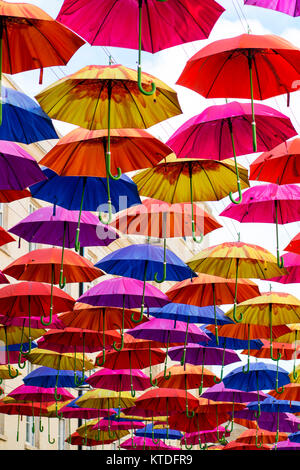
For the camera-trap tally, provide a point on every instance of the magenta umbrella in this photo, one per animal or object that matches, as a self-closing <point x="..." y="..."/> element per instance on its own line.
<point x="145" y="443"/>
<point x="225" y="131"/>
<point x="289" y="7"/>
<point x="292" y="265"/>
<point x="18" y="169"/>
<point x="118" y="424"/>
<point x="268" y="203"/>
<point x="125" y="293"/>
<point x="33" y="322"/>
<point x="144" y="25"/>
<point x="119" y="380"/>
<point x="203" y="437"/>
<point x="59" y="227"/>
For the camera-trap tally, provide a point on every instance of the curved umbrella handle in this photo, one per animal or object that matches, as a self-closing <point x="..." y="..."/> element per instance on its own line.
<point x="62" y="279"/>
<point x="51" y="299"/>
<point x="139" y="82"/>
<point x="188" y="447"/>
<point x="159" y="281"/>
<point x="108" y="160"/>
<point x="239" y="200"/>
<point x="196" y="240"/>
<point x="122" y="333"/>
<point x="153" y="382"/>
<point x="258" y="445"/>
<point x="245" y="371"/>
<point x="166" y="377"/>
<point x="51" y="441"/>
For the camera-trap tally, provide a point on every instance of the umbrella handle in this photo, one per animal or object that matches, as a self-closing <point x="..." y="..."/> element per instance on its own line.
<point x="77" y="242"/>
<point x="188" y="415"/>
<point x="7" y="353"/>
<point x="80" y="382"/>
<point x="18" y="428"/>
<point x="108" y="159"/>
<point x="139" y="69"/>
<point x="166" y="377"/>
<point x="215" y="315"/>
<point x="248" y="360"/>
<point x="51" y="300"/>
<point x="256" y="440"/>
<point x="280" y="261"/>
<point x="122" y="334"/>
<point x="216" y="380"/>
<point x="100" y="364"/>
<point x="153" y="382"/>
<point x="153" y="86"/>
<point x="22" y="366"/>
<point x="237" y="320"/>
<point x="62" y="278"/>
<point x="196" y="240"/>
<point x="143" y="297"/>
<point x="239" y="200"/>
<point x="155" y="441"/>
<point x="254" y="136"/>
<point x="41" y="427"/>
<point x="188" y="447"/>
<point x="51" y="441"/>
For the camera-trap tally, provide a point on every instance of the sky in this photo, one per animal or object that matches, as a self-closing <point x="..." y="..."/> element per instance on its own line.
<point x="168" y="65"/>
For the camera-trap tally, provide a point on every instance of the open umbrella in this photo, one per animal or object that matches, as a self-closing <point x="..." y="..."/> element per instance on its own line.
<point x="84" y="193"/>
<point x="60" y="229"/>
<point x="142" y="25"/>
<point x="267" y="63"/>
<point x="10" y="195"/>
<point x="108" y="97"/>
<point x="223" y="131"/>
<point x="119" y="379"/>
<point x="289" y="7"/>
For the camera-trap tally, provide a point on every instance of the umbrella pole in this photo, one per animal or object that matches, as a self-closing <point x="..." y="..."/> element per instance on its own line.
<point x="51" y="298"/>
<point x="166" y="377"/>
<point x="33" y="424"/>
<point x="221" y="440"/>
<point x="155" y="441"/>
<point x="271" y="336"/>
<point x="29" y="333"/>
<point x="21" y="366"/>
<point x="81" y="381"/>
<point x="197" y="240"/>
<point x="215" y="315"/>
<point x="254" y="137"/>
<point x="8" y="361"/>
<point x="235" y="295"/>
<point x="202" y="372"/>
<point x="143" y="297"/>
<point x="199" y="438"/>
<point x="108" y="159"/>
<point x="185" y="343"/>
<point x="280" y="261"/>
<point x="281" y="390"/>
<point x="57" y="397"/>
<point x="77" y="242"/>
<point x="295" y="374"/>
<point x="216" y="380"/>
<point x="248" y="359"/>
<point x="257" y="415"/>
<point x="41" y="427"/>
<point x="236" y="168"/>
<point x="122" y="333"/>
<point x="188" y="415"/>
<point x="18" y="428"/>
<point x="131" y="384"/>
<point x="139" y="68"/>
<point x="258" y="445"/>
<point x="159" y="281"/>
<point x="62" y="278"/>
<point x="100" y="364"/>
<point x="153" y="382"/>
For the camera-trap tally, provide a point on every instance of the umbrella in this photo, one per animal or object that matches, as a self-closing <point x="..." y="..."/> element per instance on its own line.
<point x="23" y="120"/>
<point x="291" y="391"/>
<point x="169" y="331"/>
<point x="154" y="218"/>
<point x="279" y="165"/>
<point x="119" y="380"/>
<point x="268" y="203"/>
<point x="84" y="193"/>
<point x="236" y="259"/>
<point x="112" y="99"/>
<point x="145" y="443"/>
<point x="211" y="290"/>
<point x="10" y="195"/>
<point x="44" y="265"/>
<point x="81" y="152"/>
<point x="124" y="292"/>
<point x="267" y="63"/>
<point x="233" y="445"/>
<point x="42" y="226"/>
<point x="142" y="25"/>
<point x="252" y="436"/>
<point x="25" y="26"/>
<point x="197" y="354"/>
<point x="291" y="263"/>
<point x="48" y="377"/>
<point x="18" y="168"/>
<point x="224" y="131"/>
<point x="291" y="7"/>
<point x="86" y="430"/>
<point x="155" y="432"/>
<point x="294" y="437"/>
<point x="146" y="263"/>
<point x="260" y="376"/>
<point x="5" y="237"/>
<point x="212" y="435"/>
<point x="286" y="445"/>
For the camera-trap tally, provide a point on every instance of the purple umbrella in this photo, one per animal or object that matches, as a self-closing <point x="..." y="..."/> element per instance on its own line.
<point x="125" y="293"/>
<point x="224" y="131"/>
<point x="169" y="331"/>
<point x="268" y="203"/>
<point x="289" y="7"/>
<point x="59" y="228"/>
<point x="284" y="422"/>
<point x="197" y="354"/>
<point x="18" y="169"/>
<point x="287" y="445"/>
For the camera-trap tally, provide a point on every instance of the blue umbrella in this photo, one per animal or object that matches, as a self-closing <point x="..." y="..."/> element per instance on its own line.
<point x="159" y="433"/>
<point x="294" y="437"/>
<point x="260" y="376"/>
<point x="48" y="377"/>
<point x="192" y="313"/>
<point x="24" y="121"/>
<point x="85" y="193"/>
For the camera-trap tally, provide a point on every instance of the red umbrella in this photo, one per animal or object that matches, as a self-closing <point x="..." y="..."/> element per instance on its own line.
<point x="245" y="66"/>
<point x="10" y="195"/>
<point x="5" y="237"/>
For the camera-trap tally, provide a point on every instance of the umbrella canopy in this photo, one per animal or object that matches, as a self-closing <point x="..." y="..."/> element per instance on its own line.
<point x="119" y="380"/>
<point x="63" y="361"/>
<point x="10" y="195"/>
<point x="266" y="437"/>
<point x="176" y="179"/>
<point x="145" y="443"/>
<point x="291" y="7"/>
<point x="5" y="237"/>
<point x="212" y="435"/>
<point x="105" y="399"/>
<point x="151" y="430"/>
<point x="47" y="377"/>
<point x="219" y="392"/>
<point x="291" y="262"/>
<point x="23" y="120"/>
<point x="81" y="152"/>
<point x="17" y="167"/>
<point x="39" y="394"/>
<point x="197" y="354"/>
<point x="279" y="165"/>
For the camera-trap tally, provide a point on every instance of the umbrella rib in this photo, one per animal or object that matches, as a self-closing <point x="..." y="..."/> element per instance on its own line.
<point x="8" y="48"/>
<point x="257" y="76"/>
<point x="218" y="73"/>
<point x="177" y="181"/>
<point x="210" y="182"/>
<point x="130" y="94"/>
<point x="77" y="83"/>
<point x="193" y="18"/>
<point x="149" y="24"/>
<point x="103" y="21"/>
<point x="101" y="88"/>
<point x="70" y="155"/>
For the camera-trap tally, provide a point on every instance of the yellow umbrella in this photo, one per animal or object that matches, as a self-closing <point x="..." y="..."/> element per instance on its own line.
<point x="60" y="361"/>
<point x="101" y="399"/>
<point x="87" y="432"/>
<point x="108" y="97"/>
<point x="233" y="260"/>
<point x="6" y="372"/>
<point x="268" y="309"/>
<point x="174" y="179"/>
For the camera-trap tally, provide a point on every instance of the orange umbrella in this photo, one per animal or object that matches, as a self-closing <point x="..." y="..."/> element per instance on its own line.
<point x="82" y="152"/>
<point x="234" y="445"/>
<point x="44" y="265"/>
<point x="265" y="437"/>
<point x="291" y="392"/>
<point x="31" y="39"/>
<point x="206" y="289"/>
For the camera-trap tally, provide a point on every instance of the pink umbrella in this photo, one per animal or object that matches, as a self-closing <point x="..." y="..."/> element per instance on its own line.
<point x="118" y="424"/>
<point x="201" y="437"/>
<point x="292" y="265"/>
<point x="289" y="7"/>
<point x="119" y="380"/>
<point x="145" y="443"/>
<point x="120" y="24"/>
<point x="268" y="203"/>
<point x="224" y="131"/>
<point x="39" y="394"/>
